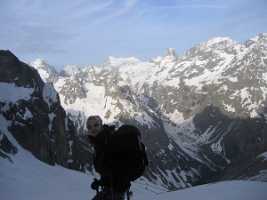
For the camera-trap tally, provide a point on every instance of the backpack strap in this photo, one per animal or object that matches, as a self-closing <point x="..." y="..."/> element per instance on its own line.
<point x="144" y="155"/>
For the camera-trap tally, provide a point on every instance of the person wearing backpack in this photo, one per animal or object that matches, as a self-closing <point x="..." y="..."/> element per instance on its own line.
<point x="119" y="157"/>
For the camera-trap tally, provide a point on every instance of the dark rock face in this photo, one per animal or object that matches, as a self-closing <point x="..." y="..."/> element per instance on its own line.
<point x="38" y="123"/>
<point x="14" y="71"/>
<point x="6" y="148"/>
<point x="253" y="169"/>
<point x="240" y="140"/>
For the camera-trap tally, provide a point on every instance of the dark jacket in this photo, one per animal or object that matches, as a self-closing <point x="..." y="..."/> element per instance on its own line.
<point x="112" y="160"/>
<point x="102" y="160"/>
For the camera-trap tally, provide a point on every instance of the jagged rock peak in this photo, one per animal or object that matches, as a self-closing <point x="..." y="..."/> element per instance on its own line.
<point x="42" y="64"/>
<point x="260" y="36"/>
<point x="7" y="57"/>
<point x="6" y="53"/>
<point x="39" y="63"/>
<point x="218" y="41"/>
<point x="170" y="57"/>
<point x="259" y="39"/>
<point x="47" y="72"/>
<point x="171" y="52"/>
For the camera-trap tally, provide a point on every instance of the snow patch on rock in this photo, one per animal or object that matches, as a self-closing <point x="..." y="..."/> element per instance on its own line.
<point x="50" y="95"/>
<point x="12" y="93"/>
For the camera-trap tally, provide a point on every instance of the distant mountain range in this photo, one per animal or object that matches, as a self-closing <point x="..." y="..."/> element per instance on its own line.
<point x="203" y="114"/>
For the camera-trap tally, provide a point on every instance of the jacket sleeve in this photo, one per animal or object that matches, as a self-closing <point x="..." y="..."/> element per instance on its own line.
<point x="102" y="158"/>
<point x="145" y="155"/>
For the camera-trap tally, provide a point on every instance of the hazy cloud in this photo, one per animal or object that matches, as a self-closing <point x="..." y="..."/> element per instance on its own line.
<point x="117" y="12"/>
<point x="87" y="31"/>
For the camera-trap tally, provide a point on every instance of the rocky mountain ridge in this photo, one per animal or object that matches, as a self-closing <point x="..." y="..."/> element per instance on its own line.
<point x="31" y="113"/>
<point x="200" y="101"/>
<point x="220" y="68"/>
<point x="201" y="113"/>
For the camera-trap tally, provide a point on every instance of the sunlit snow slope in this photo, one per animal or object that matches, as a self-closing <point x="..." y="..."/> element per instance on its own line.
<point x="27" y="178"/>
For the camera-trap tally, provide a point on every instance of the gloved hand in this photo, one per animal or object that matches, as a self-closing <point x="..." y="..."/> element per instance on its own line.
<point x="95" y="184"/>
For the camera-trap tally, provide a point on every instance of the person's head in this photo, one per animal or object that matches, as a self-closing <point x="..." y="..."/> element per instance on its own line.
<point x="94" y="125"/>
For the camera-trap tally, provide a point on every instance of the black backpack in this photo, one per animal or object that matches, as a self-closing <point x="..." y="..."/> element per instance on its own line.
<point x="128" y="152"/>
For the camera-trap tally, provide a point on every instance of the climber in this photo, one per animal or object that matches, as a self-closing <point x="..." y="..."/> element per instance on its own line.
<point x="119" y="157"/>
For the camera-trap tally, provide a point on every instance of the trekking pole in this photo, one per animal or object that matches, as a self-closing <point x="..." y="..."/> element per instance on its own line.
<point x="101" y="193"/>
<point x="111" y="187"/>
<point x="129" y="194"/>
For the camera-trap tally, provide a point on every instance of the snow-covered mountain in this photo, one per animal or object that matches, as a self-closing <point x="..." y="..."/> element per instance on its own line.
<point x="220" y="71"/>
<point x="200" y="112"/>
<point x="30" y="110"/>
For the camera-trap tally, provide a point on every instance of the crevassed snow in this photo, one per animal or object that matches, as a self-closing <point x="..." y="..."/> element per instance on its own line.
<point x="12" y="93"/>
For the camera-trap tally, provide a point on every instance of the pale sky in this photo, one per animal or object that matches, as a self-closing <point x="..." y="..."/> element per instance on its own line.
<point x="88" y="31"/>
